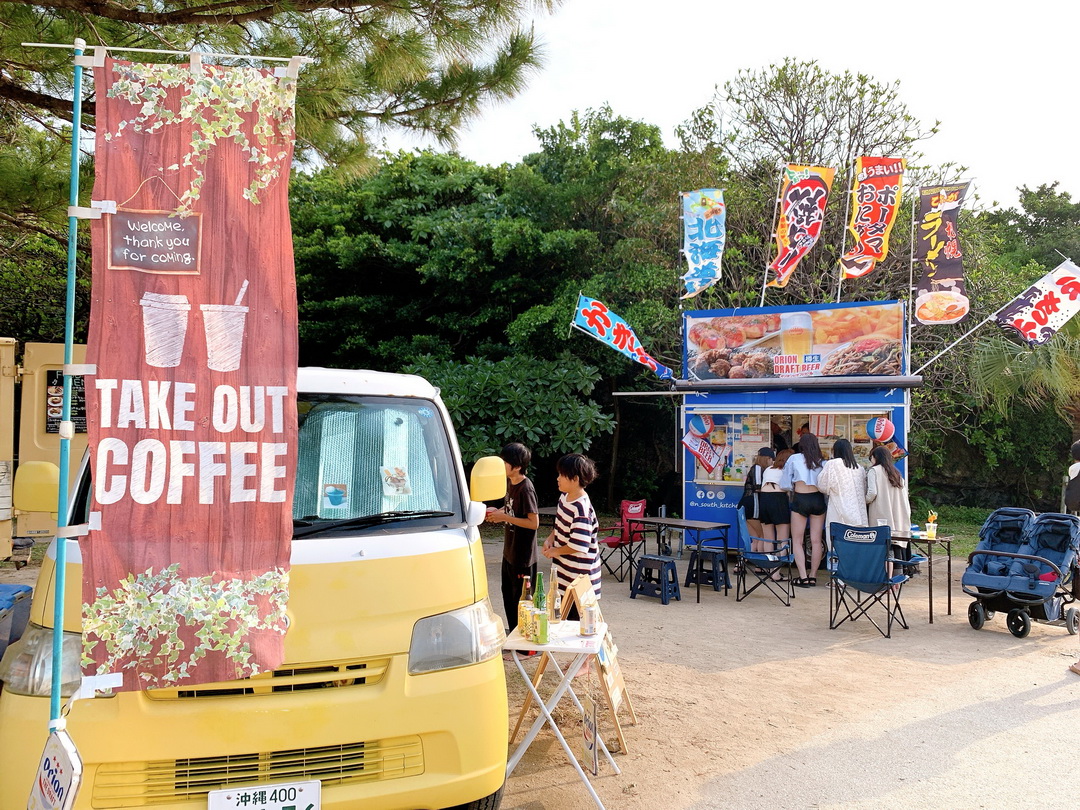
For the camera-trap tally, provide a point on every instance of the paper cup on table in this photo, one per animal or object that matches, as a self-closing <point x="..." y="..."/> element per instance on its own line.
<point x="224" y="325"/>
<point x="165" y="322"/>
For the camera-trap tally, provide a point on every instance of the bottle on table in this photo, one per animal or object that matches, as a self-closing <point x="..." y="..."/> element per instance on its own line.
<point x="524" y="603"/>
<point x="540" y="616"/>
<point x="554" y="602"/>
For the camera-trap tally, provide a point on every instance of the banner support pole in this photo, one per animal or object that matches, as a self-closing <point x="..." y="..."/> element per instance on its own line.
<point x="65" y="418"/>
<point x="776" y="209"/>
<point x="844" y="232"/>
<point x="911" y="274"/>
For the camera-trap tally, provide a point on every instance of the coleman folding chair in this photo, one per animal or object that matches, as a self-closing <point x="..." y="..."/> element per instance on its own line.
<point x="861" y="582"/>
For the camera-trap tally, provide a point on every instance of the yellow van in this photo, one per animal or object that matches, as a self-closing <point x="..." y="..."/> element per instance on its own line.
<point x="392" y="694"/>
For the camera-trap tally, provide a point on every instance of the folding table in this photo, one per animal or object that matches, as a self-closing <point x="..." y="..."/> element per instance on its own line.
<point x="563" y="638"/>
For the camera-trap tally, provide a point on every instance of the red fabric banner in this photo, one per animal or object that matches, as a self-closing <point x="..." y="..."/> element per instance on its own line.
<point x="876" y="196"/>
<point x="804" y="194"/>
<point x="191" y="412"/>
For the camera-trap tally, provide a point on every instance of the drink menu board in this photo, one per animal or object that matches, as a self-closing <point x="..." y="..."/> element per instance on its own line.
<point x="54" y="401"/>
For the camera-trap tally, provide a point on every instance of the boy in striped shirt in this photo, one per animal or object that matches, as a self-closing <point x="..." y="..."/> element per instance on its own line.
<point x="572" y="546"/>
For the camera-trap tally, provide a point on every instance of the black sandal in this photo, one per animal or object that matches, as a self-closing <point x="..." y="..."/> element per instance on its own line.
<point x="801" y="582"/>
<point x="811" y="582"/>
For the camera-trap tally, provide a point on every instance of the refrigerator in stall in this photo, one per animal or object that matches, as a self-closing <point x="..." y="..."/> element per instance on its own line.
<point x="760" y="376"/>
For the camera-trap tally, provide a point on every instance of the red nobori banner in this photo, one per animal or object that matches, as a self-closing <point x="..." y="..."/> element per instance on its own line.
<point x="191" y="411"/>
<point x="804" y="192"/>
<point x="1042" y="309"/>
<point x="940" y="295"/>
<point x="877" y="193"/>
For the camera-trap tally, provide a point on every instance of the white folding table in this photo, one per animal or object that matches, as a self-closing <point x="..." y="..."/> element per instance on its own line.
<point x="563" y="638"/>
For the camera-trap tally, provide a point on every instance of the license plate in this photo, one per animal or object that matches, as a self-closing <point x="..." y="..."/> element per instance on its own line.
<point x="283" y="796"/>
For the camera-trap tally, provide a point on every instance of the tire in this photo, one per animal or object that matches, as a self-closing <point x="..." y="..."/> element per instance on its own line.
<point x="976" y="615"/>
<point x="491" y="802"/>
<point x="1019" y="622"/>
<point x="1072" y="621"/>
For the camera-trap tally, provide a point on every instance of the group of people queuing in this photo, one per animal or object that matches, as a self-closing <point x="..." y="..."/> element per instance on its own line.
<point x="572" y="545"/>
<point x="797" y="489"/>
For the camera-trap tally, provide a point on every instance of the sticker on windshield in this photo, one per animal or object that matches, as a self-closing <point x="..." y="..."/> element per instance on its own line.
<point x="395" y="481"/>
<point x="335" y="496"/>
<point x="425" y="412"/>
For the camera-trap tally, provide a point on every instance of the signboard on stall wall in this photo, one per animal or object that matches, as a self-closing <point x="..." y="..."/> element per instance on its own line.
<point x="819" y="340"/>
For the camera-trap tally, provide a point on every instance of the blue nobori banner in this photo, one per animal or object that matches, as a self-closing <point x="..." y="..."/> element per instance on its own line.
<point x="704" y="234"/>
<point x="596" y="320"/>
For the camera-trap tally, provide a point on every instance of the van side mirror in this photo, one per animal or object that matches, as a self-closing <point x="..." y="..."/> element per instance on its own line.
<point x="487" y="482"/>
<point x="36" y="487"/>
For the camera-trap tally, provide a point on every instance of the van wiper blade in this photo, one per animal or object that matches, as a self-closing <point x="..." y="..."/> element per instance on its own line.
<point x="371" y="520"/>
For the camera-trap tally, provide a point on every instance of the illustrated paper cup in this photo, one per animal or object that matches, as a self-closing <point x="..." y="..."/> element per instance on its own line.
<point x="224" y="325"/>
<point x="165" y="322"/>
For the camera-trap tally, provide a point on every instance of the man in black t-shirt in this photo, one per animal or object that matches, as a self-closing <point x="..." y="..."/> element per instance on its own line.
<point x="520" y="521"/>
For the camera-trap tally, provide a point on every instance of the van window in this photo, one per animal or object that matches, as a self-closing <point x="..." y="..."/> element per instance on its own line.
<point x="360" y="456"/>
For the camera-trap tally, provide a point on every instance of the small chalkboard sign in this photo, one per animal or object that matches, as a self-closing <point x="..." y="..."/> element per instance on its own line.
<point x="154" y="241"/>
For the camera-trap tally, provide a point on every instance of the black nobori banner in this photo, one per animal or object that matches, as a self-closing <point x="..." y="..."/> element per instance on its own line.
<point x="941" y="296"/>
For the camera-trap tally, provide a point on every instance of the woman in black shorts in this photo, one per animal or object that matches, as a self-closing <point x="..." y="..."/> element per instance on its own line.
<point x="807" y="505"/>
<point x="774" y="506"/>
<point x="749" y="501"/>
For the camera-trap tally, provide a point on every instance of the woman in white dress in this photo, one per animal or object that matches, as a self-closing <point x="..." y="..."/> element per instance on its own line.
<point x="844" y="482"/>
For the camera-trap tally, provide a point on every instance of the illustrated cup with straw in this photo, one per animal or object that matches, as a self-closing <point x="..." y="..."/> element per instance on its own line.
<point x="224" y="325"/>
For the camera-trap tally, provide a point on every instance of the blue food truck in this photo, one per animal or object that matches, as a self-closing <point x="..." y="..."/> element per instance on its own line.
<point x="758" y="377"/>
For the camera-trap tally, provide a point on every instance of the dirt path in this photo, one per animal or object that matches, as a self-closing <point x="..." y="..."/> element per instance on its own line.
<point x="748" y="705"/>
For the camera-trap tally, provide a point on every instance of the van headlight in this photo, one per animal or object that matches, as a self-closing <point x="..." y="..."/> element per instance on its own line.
<point x="456" y="639"/>
<point x="27" y="665"/>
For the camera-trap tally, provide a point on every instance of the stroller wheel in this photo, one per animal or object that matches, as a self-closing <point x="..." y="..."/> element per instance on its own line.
<point x="976" y="615"/>
<point x="1019" y="622"/>
<point x="1071" y="621"/>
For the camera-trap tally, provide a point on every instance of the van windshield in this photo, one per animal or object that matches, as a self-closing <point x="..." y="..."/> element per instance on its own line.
<point x="364" y="456"/>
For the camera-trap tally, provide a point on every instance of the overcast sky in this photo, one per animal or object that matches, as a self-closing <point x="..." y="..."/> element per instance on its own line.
<point x="1001" y="78"/>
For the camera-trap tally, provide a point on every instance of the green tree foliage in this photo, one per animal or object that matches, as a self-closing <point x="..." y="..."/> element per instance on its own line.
<point x="544" y="403"/>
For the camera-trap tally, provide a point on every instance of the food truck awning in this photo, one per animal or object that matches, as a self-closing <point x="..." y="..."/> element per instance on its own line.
<point x="797" y="383"/>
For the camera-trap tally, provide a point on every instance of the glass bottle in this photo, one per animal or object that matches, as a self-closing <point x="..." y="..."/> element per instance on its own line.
<point x="554" y="602"/>
<point x="524" y="603"/>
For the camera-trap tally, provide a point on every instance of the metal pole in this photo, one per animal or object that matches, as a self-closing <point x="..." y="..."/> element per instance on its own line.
<point x="843" y="234"/>
<point x="776" y="209"/>
<point x="987" y="319"/>
<point x="911" y="274"/>
<point x="66" y="427"/>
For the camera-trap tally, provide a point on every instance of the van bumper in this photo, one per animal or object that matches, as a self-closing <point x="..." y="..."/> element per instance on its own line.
<point x="425" y="741"/>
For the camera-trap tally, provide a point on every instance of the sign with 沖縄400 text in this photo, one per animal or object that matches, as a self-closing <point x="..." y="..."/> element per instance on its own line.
<point x="191" y="414"/>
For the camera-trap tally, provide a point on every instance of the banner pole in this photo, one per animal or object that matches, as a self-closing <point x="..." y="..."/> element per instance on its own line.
<point x="776" y="210"/>
<point x="66" y="427"/>
<point x="843" y="234"/>
<point x="911" y="273"/>
<point x="987" y="319"/>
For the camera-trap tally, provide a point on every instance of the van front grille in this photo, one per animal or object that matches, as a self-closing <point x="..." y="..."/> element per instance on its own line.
<point x="291" y="679"/>
<point x="145" y="784"/>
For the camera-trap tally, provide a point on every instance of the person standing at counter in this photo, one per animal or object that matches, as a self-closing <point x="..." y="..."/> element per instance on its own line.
<point x="775" y="507"/>
<point x="807" y="505"/>
<point x="887" y="498"/>
<point x="844" y="483"/>
<point x="750" y="502"/>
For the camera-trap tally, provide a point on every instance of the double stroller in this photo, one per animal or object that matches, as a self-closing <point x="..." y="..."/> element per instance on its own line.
<point x="1026" y="565"/>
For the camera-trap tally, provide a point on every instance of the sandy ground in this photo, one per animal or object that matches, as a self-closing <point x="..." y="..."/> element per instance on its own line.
<point x="755" y="705"/>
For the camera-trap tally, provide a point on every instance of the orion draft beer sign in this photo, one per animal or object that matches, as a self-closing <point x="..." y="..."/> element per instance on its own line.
<point x="191" y="412"/>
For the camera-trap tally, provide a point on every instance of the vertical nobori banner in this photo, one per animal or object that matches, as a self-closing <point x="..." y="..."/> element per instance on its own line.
<point x="1042" y="309"/>
<point x="877" y="193"/>
<point x="704" y="233"/>
<point x="191" y="412"/>
<point x="940" y="295"/>
<point x="804" y="193"/>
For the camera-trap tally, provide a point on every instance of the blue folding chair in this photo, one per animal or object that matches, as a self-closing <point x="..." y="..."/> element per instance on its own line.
<point x="861" y="579"/>
<point x="763" y="565"/>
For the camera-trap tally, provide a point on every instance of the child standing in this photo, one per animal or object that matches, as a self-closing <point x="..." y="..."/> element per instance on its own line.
<point x="572" y="545"/>
<point x="520" y="522"/>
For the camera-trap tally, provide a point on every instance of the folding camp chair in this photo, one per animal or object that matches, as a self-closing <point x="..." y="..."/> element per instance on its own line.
<point x="617" y="551"/>
<point x="861" y="581"/>
<point x="762" y="565"/>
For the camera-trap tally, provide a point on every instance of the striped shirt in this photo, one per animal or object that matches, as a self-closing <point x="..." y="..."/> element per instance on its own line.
<point x="576" y="526"/>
